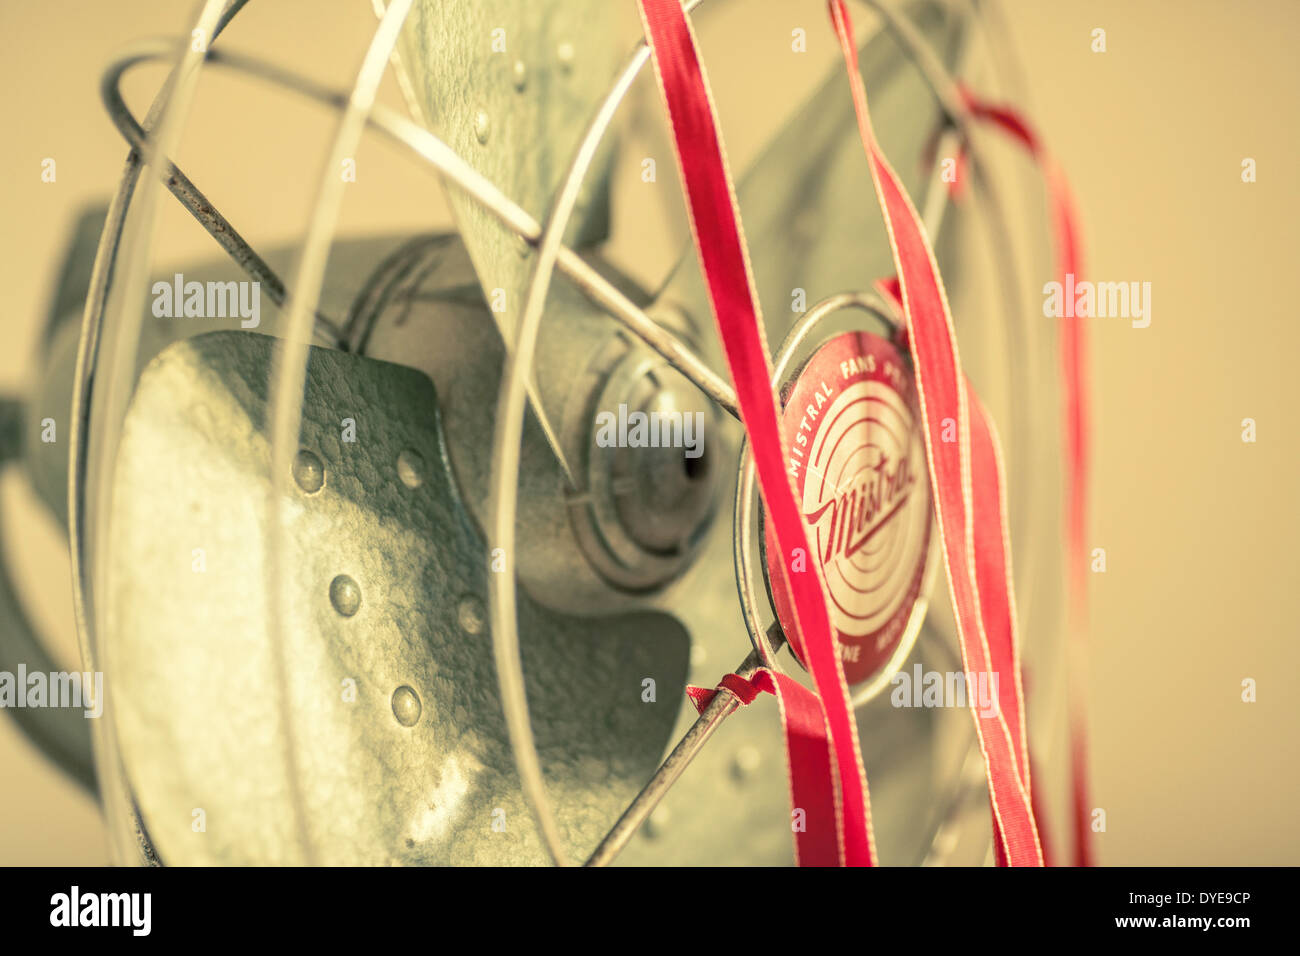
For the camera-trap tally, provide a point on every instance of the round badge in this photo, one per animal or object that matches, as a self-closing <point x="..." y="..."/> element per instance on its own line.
<point x="851" y="434"/>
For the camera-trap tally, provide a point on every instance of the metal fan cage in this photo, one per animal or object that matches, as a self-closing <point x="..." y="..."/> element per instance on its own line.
<point x="112" y="319"/>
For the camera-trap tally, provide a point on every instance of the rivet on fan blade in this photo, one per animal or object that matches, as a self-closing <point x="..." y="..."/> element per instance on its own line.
<point x="519" y="75"/>
<point x="406" y="706"/>
<point x="345" y="595"/>
<point x="410" y="467"/>
<point x="308" y="472"/>
<point x="565" y="53"/>
<point x="470" y="615"/>
<point x="482" y="126"/>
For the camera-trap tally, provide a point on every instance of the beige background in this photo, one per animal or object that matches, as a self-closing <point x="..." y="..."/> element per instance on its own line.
<point x="1199" y="528"/>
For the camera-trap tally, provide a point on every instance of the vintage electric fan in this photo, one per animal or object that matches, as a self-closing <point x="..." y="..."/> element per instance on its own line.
<point x="365" y="585"/>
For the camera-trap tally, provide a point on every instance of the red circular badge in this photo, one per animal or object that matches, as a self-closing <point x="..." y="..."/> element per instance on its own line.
<point x="851" y="434"/>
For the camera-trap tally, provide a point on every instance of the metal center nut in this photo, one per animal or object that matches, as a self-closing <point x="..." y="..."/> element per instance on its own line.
<point x="662" y="466"/>
<point x="651" y="473"/>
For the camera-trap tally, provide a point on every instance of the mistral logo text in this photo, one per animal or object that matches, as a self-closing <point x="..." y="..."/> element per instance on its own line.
<point x="75" y="908"/>
<point x="208" y="300"/>
<point x="640" y="429"/>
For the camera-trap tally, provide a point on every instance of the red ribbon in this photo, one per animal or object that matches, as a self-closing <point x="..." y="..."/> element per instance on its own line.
<point x="1075" y="414"/>
<point x="963" y="473"/>
<point x="827" y="778"/>
<point x="743" y="690"/>
<point x="719" y="242"/>
<point x="812" y="798"/>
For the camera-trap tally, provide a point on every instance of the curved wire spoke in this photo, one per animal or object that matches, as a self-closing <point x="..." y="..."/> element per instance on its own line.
<point x="289" y="365"/>
<point x="434" y="151"/>
<point x="88" y="436"/>
<point x="191" y="197"/>
<point x="503" y="498"/>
